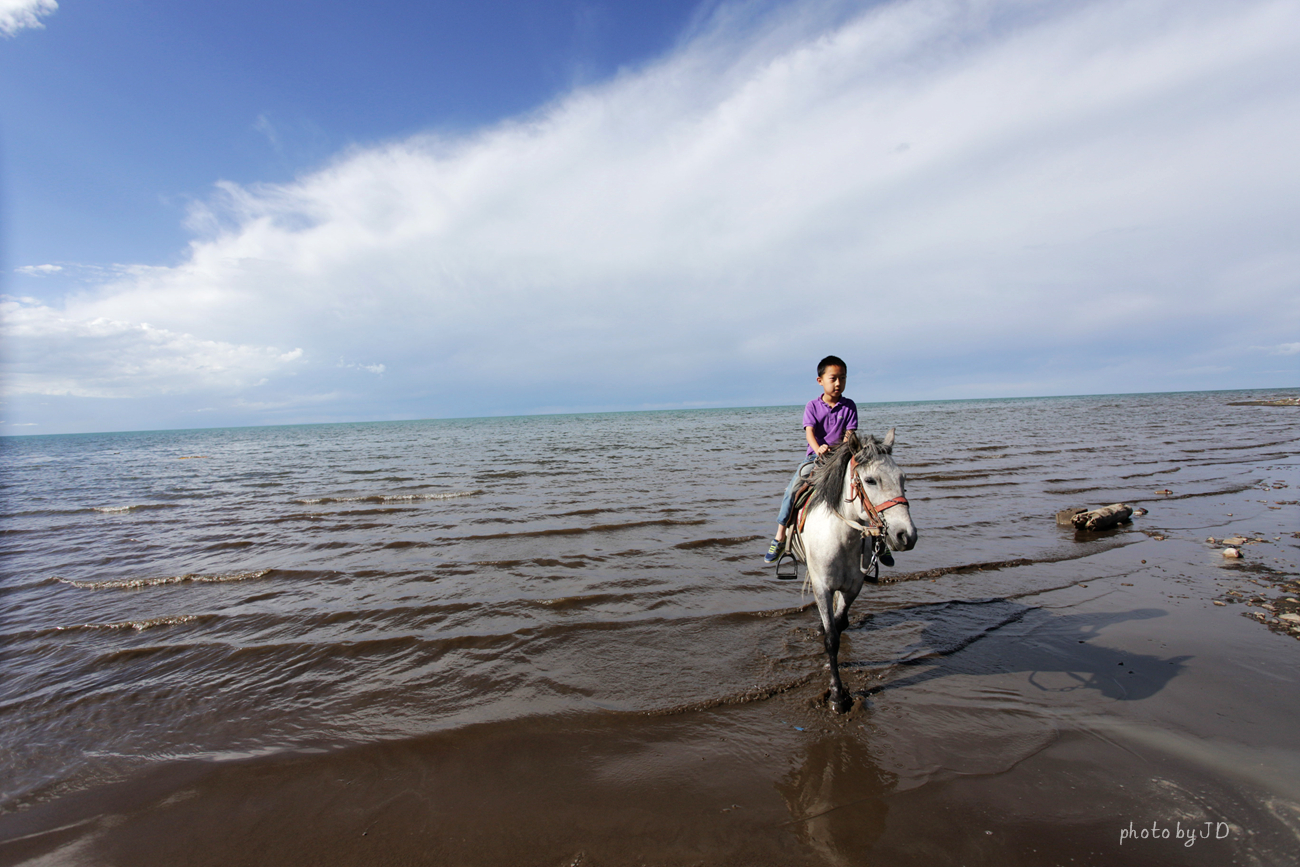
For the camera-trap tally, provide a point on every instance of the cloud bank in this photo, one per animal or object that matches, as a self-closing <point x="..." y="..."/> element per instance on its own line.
<point x="962" y="198"/>
<point x="18" y="15"/>
<point x="104" y="357"/>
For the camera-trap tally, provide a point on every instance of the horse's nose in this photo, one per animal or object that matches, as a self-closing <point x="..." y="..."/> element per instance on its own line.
<point x="904" y="539"/>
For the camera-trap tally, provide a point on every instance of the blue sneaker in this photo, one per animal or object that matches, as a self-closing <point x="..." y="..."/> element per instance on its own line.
<point x="774" y="551"/>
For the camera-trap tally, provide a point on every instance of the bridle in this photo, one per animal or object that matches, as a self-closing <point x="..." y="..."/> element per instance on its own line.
<point x="875" y="520"/>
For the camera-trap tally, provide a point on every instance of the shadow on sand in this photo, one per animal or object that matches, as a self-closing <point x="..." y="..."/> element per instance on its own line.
<point x="999" y="636"/>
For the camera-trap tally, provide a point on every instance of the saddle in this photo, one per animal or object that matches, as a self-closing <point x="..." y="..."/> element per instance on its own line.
<point x="794" y="549"/>
<point x="801" y="497"/>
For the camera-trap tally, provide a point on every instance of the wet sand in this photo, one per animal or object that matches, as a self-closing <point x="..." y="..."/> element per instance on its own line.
<point x="1001" y="717"/>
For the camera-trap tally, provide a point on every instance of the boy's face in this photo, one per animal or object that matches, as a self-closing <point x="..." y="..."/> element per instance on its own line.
<point x="832" y="382"/>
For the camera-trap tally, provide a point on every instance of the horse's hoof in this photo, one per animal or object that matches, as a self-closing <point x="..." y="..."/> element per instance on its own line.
<point x="841" y="703"/>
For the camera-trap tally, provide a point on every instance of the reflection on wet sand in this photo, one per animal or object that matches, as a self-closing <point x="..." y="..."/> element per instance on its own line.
<point x="836" y="797"/>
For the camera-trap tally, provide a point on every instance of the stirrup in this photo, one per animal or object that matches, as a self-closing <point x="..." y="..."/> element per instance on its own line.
<point x="787" y="576"/>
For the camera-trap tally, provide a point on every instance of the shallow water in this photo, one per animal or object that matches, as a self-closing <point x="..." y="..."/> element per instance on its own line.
<point x="369" y="643"/>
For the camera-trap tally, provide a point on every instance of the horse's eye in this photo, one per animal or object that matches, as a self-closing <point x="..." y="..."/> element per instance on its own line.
<point x="871" y="481"/>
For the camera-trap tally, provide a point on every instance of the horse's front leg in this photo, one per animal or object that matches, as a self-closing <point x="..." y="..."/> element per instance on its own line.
<point x="828" y="602"/>
<point x="844" y="598"/>
<point x="841" y="612"/>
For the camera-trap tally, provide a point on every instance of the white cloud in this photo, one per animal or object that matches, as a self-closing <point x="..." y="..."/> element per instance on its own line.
<point x="369" y="368"/>
<point x="104" y="357"/>
<point x="38" y="270"/>
<point x="265" y="127"/>
<point x="1286" y="349"/>
<point x="18" y="15"/>
<point x="934" y="186"/>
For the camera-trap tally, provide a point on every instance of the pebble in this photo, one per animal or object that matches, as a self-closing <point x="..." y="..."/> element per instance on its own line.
<point x="1292" y="618"/>
<point x="1231" y="553"/>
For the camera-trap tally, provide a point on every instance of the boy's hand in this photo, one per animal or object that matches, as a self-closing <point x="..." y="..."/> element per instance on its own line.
<point x="822" y="449"/>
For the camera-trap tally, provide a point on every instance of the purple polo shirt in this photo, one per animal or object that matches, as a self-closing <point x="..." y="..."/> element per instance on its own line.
<point x="830" y="422"/>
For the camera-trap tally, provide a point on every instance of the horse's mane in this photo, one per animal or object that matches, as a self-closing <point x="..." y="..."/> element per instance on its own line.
<point x="828" y="478"/>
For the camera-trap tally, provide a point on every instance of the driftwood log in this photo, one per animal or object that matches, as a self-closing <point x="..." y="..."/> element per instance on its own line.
<point x="1100" y="519"/>
<point x="1065" y="517"/>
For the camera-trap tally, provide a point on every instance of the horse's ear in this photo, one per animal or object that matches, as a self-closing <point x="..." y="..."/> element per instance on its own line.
<point x="889" y="442"/>
<point x="854" y="444"/>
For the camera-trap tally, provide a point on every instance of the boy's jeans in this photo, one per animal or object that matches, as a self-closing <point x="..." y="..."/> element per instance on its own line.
<point x="787" y="503"/>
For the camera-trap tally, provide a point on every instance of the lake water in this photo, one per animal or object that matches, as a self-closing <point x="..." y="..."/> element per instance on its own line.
<point x="552" y="640"/>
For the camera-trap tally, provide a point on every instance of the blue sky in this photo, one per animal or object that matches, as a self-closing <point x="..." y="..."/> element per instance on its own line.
<point x="234" y="213"/>
<point x="117" y="114"/>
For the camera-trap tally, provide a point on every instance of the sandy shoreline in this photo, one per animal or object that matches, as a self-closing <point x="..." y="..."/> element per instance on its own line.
<point x="1280" y="401"/>
<point x="1096" y="695"/>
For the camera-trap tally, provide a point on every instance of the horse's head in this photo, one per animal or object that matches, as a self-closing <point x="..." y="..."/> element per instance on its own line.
<point x="883" y="483"/>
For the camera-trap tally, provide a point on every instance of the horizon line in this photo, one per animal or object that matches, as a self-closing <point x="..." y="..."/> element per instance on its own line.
<point x="546" y="413"/>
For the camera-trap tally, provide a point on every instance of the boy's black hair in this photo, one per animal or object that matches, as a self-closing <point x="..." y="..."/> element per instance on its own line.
<point x="827" y="362"/>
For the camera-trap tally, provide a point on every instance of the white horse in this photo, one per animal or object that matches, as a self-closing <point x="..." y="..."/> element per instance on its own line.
<point x="857" y="505"/>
